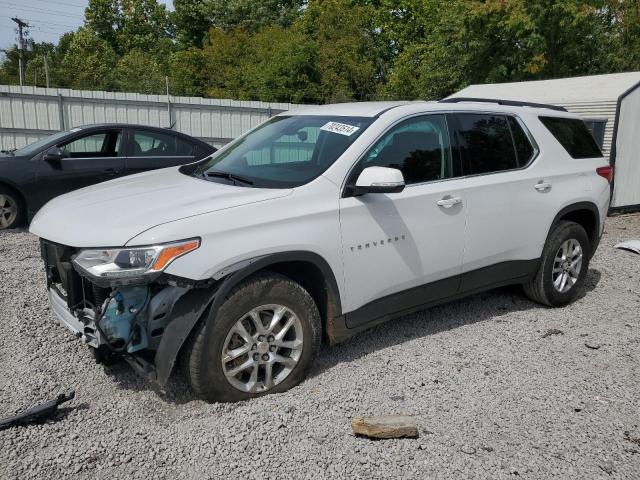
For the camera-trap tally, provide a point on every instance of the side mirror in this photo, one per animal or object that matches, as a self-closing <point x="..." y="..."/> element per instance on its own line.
<point x="379" y="180"/>
<point x="54" y="154"/>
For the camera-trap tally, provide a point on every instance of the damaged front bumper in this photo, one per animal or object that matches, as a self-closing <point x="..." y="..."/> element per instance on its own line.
<point x="145" y="324"/>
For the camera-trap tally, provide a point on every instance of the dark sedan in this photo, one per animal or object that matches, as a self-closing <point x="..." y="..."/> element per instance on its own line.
<point x="82" y="156"/>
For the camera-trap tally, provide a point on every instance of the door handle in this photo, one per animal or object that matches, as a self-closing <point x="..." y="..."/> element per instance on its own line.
<point x="448" y="202"/>
<point x="542" y="186"/>
<point x="110" y="171"/>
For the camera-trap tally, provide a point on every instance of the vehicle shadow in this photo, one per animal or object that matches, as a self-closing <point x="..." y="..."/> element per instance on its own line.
<point x="492" y="305"/>
<point x="487" y="306"/>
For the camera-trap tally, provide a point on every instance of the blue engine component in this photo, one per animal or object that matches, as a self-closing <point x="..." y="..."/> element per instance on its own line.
<point x="122" y="320"/>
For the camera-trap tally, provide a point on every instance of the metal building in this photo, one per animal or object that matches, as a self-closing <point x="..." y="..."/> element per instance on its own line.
<point x="609" y="104"/>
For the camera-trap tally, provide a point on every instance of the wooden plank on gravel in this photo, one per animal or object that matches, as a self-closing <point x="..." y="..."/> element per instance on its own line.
<point x="385" y="426"/>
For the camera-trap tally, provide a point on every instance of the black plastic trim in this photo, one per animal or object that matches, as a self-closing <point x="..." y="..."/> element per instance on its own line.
<point x="185" y="314"/>
<point x="434" y="293"/>
<point x="595" y="237"/>
<point x="509" y="103"/>
<point x="283" y="257"/>
<point x="625" y="209"/>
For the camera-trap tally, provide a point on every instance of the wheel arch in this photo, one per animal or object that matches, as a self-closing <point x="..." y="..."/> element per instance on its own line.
<point x="21" y="197"/>
<point x="585" y="214"/>
<point x="308" y="269"/>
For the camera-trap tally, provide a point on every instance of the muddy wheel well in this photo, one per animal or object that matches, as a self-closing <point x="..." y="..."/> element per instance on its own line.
<point x="313" y="281"/>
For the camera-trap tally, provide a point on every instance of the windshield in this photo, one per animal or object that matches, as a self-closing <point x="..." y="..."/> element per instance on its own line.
<point x="35" y="147"/>
<point x="284" y="152"/>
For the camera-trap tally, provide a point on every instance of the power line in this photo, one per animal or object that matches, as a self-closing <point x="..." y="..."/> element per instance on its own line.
<point x="48" y="2"/>
<point x="39" y="10"/>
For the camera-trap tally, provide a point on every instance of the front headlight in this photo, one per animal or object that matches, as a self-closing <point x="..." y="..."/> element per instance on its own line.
<point x="131" y="263"/>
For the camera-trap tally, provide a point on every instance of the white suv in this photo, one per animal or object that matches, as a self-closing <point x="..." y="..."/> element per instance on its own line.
<point x="318" y="224"/>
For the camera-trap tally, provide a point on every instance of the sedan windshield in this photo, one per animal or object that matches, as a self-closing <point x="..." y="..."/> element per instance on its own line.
<point x="36" y="146"/>
<point x="285" y="152"/>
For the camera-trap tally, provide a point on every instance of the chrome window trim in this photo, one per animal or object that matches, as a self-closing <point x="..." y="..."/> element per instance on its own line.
<point x="163" y="156"/>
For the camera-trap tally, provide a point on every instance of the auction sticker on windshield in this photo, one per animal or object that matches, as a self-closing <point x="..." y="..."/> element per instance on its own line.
<point x="341" y="128"/>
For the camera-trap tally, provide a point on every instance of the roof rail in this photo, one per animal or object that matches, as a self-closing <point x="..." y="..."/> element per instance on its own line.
<point x="511" y="103"/>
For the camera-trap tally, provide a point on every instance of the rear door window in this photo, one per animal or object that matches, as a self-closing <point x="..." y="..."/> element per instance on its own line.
<point x="573" y="135"/>
<point x="156" y="144"/>
<point x="525" y="151"/>
<point x="485" y="143"/>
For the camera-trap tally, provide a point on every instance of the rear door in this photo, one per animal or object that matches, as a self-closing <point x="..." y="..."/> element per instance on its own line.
<point x="508" y="201"/>
<point x="152" y="149"/>
<point x="92" y="157"/>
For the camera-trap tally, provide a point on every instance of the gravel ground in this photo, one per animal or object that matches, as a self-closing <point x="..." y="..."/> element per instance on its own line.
<point x="493" y="395"/>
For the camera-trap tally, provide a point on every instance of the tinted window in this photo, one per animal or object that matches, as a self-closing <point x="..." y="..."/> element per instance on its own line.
<point x="485" y="143"/>
<point x="157" y="144"/>
<point x="419" y="147"/>
<point x="597" y="127"/>
<point x="524" y="149"/>
<point x="573" y="135"/>
<point x="96" y="144"/>
<point x="285" y="151"/>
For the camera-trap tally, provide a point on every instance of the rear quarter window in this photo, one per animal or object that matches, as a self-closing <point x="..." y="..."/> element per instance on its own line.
<point x="573" y="135"/>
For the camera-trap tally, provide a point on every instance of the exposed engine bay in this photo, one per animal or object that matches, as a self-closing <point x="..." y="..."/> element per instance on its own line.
<point x="125" y="318"/>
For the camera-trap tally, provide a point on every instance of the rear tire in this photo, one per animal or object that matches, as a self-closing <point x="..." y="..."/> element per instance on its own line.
<point x="563" y="267"/>
<point x="12" y="209"/>
<point x="268" y="328"/>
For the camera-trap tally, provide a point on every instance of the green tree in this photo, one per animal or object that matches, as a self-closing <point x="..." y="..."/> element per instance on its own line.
<point x="138" y="71"/>
<point x="446" y="45"/>
<point x="89" y="61"/>
<point x="191" y="22"/>
<point x="225" y="55"/>
<point x="625" y="54"/>
<point x="189" y="72"/>
<point x="129" y="24"/>
<point x="352" y="54"/>
<point x="282" y="67"/>
<point x="250" y="15"/>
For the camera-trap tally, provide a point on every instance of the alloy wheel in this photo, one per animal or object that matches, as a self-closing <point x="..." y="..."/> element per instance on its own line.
<point x="567" y="265"/>
<point x="262" y="348"/>
<point x="8" y="211"/>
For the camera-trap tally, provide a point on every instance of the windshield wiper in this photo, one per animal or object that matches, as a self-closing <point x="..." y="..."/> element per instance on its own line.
<point x="229" y="176"/>
<point x="10" y="152"/>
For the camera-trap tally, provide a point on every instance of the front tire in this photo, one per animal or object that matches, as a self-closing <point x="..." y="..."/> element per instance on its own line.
<point x="12" y="211"/>
<point x="263" y="339"/>
<point x="563" y="268"/>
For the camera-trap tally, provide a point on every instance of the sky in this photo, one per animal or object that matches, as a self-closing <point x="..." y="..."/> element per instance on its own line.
<point x="48" y="19"/>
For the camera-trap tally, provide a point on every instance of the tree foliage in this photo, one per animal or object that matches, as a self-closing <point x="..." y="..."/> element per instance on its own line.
<point x="320" y="51"/>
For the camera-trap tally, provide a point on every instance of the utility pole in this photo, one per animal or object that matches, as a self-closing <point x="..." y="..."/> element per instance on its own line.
<point x="21" y="46"/>
<point x="46" y="68"/>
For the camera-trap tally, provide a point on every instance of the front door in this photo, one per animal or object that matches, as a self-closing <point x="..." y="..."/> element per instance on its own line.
<point x="88" y="159"/>
<point x="405" y="246"/>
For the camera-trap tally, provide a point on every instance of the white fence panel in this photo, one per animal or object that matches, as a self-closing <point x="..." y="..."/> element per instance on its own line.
<point x="30" y="113"/>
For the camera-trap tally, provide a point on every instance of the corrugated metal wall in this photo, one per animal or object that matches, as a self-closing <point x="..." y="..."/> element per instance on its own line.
<point x="29" y="113"/>
<point x="601" y="110"/>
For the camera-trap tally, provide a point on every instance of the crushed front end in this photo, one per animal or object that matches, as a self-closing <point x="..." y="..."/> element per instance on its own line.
<point x="145" y="318"/>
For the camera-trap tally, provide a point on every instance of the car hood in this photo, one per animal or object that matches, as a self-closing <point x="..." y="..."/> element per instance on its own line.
<point x="111" y="213"/>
